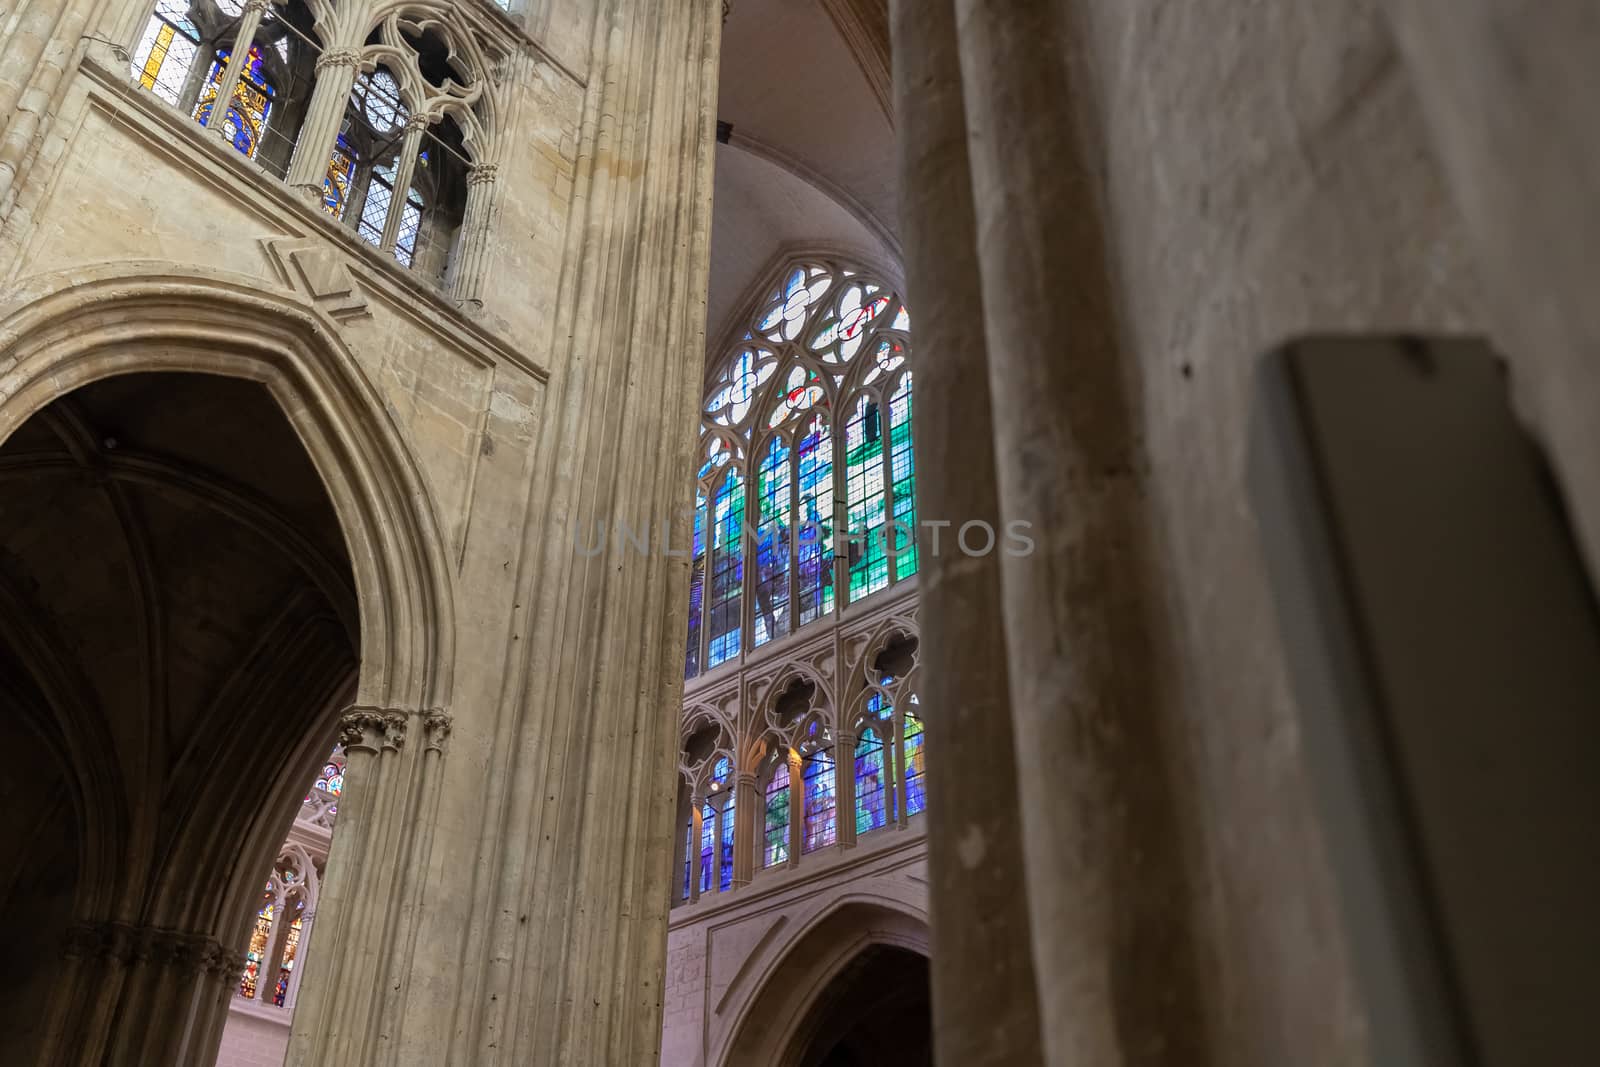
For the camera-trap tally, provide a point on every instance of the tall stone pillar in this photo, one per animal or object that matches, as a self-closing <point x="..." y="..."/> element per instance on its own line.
<point x="1511" y="90"/>
<point x="1111" y="911"/>
<point x="336" y="77"/>
<point x="985" y="1002"/>
<point x="747" y="814"/>
<point x="45" y="45"/>
<point x="370" y="895"/>
<point x="844" y="790"/>
<point x="797" y="808"/>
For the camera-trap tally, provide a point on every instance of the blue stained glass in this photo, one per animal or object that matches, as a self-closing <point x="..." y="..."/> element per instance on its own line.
<point x="772" y="544"/>
<point x="251" y="106"/>
<point x="819" y="802"/>
<point x="916" y="799"/>
<point x="727" y="571"/>
<point x="903" y="474"/>
<point x="725" y="875"/>
<point x="697" y="589"/>
<point x="814" y="522"/>
<point x="341" y="173"/>
<point x="708" y="845"/>
<point x="871" y="813"/>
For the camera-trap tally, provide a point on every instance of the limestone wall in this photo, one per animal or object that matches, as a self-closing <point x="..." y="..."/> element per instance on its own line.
<point x="533" y="403"/>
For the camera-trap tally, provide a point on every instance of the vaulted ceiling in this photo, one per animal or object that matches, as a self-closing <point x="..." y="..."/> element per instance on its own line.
<point x="809" y="154"/>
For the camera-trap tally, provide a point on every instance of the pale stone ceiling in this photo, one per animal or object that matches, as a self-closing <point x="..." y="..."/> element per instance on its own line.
<point x="811" y="156"/>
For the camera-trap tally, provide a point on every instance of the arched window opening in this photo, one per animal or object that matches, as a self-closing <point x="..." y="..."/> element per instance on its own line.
<point x="276" y="939"/>
<point x="727" y="571"/>
<point x="818" y="393"/>
<point x="871" y="806"/>
<point x="775" y="831"/>
<point x="404" y="164"/>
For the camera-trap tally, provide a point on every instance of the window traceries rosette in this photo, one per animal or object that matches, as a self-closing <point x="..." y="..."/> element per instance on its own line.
<point x="811" y="413"/>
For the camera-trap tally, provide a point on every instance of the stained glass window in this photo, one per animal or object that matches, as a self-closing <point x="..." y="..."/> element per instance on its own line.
<point x="819" y="801"/>
<point x="291" y="949"/>
<point x="341" y="173"/>
<point x="167" y="50"/>
<point x="688" y="855"/>
<point x="256" y="952"/>
<point x="727" y="571"/>
<point x="773" y="492"/>
<point x="916" y="799"/>
<point x="697" y="588"/>
<point x="903" y="474"/>
<point x="818" y="391"/>
<point x="725" y="865"/>
<point x="814" y="523"/>
<point x="776" y="831"/>
<point x="708" y="845"/>
<point x="871" y="813"/>
<point x="869" y="566"/>
<point x="251" y="107"/>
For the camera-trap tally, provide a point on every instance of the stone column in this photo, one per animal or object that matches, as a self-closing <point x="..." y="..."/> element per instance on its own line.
<point x="1511" y="91"/>
<point x="472" y="248"/>
<point x="844" y="789"/>
<point x="336" y="77"/>
<point x="370" y="895"/>
<point x="134" y="995"/>
<point x="244" y="38"/>
<point x="797" y="807"/>
<point x="986" y="1010"/>
<point x="404" y="170"/>
<point x="1111" y="912"/>
<point x="697" y="823"/>
<point x="748" y="810"/>
<point x="44" y="46"/>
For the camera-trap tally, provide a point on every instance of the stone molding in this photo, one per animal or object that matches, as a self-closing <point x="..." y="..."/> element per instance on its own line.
<point x="127" y="944"/>
<point x="371" y="729"/>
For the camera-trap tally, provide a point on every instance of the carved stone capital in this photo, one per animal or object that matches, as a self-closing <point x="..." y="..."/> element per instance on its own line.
<point x="436" y="727"/>
<point x="394" y="730"/>
<point x="257" y="7"/>
<point x="419" y="122"/>
<point x="362" y="730"/>
<point x="747" y="779"/>
<point x="225" y="965"/>
<point x="339" y="57"/>
<point x="483" y="173"/>
<point x="117" y="942"/>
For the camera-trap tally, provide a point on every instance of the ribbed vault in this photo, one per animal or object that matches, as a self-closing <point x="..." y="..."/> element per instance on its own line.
<point x="178" y="622"/>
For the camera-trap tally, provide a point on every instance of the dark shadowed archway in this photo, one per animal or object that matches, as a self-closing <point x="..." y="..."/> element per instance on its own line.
<point x="854" y="982"/>
<point x="178" y="634"/>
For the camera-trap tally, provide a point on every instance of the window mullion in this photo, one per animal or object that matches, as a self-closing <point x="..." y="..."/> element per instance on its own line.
<point x="404" y="172"/>
<point x="244" y="37"/>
